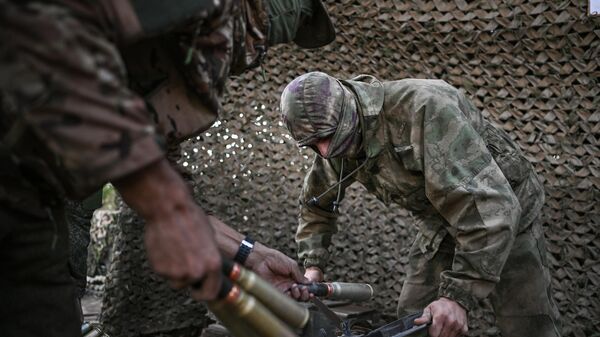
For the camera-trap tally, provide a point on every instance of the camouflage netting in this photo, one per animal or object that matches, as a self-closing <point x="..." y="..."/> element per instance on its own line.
<point x="531" y="66"/>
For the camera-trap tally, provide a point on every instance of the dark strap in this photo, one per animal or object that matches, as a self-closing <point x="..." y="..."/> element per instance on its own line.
<point x="244" y="251"/>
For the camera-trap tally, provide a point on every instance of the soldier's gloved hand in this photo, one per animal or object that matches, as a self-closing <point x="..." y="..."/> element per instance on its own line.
<point x="448" y="318"/>
<point x="179" y="239"/>
<point x="278" y="269"/>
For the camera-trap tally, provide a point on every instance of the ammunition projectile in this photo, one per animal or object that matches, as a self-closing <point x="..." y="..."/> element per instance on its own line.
<point x="85" y="328"/>
<point x="95" y="332"/>
<point x="281" y="305"/>
<point x="236" y="327"/>
<point x="241" y="305"/>
<point x="355" y="292"/>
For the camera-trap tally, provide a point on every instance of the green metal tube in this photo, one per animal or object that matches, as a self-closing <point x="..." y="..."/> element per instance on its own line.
<point x="258" y="317"/>
<point x="278" y="303"/>
<point x="236" y="326"/>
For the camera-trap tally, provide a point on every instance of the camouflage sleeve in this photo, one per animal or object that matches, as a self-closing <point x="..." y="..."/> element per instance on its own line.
<point x="318" y="223"/>
<point x="71" y="93"/>
<point x="468" y="188"/>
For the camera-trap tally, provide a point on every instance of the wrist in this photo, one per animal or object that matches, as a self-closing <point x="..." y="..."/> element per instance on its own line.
<point x="244" y="251"/>
<point x="258" y="254"/>
<point x="458" y="295"/>
<point x="156" y="192"/>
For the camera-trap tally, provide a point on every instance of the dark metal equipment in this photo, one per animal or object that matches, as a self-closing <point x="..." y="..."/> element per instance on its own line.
<point x="248" y="306"/>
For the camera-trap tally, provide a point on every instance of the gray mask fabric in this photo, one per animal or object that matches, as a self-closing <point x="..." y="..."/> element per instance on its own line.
<point x="316" y="106"/>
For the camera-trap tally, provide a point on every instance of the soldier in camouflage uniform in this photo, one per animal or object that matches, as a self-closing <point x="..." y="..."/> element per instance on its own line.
<point x="422" y="145"/>
<point x="69" y="123"/>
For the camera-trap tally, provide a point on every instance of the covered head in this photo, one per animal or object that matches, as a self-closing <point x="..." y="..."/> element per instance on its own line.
<point x="316" y="106"/>
<point x="305" y="22"/>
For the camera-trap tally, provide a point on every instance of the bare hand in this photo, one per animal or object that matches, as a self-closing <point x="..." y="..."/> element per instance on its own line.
<point x="182" y="249"/>
<point x="279" y="270"/>
<point x="314" y="274"/>
<point x="448" y="318"/>
<point x="179" y="238"/>
<point x="299" y="291"/>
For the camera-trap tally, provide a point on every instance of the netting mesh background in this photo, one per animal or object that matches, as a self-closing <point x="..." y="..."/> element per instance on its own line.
<point x="532" y="67"/>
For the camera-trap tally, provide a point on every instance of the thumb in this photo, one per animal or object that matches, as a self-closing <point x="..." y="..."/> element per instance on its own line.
<point x="425" y="317"/>
<point x="297" y="275"/>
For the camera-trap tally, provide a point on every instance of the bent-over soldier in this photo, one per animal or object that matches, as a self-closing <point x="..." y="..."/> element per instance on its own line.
<point x="422" y="145"/>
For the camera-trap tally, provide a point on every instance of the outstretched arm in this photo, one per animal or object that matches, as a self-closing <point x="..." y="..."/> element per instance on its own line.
<point x="179" y="239"/>
<point x="272" y="265"/>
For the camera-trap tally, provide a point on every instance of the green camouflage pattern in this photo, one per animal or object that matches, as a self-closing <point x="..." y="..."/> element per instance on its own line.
<point x="522" y="301"/>
<point x="430" y="151"/>
<point x="305" y="96"/>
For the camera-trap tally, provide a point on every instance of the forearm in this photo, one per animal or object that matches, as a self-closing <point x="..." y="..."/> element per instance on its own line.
<point x="484" y="232"/>
<point x="228" y="240"/>
<point x="155" y="191"/>
<point x="158" y="190"/>
<point x="313" y="237"/>
<point x="178" y="237"/>
<point x="317" y="222"/>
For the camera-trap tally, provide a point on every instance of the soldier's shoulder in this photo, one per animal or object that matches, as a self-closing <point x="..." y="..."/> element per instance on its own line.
<point x="413" y="93"/>
<point x="418" y="85"/>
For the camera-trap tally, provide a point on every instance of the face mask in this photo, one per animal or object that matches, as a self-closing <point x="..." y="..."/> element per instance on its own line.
<point x="347" y="137"/>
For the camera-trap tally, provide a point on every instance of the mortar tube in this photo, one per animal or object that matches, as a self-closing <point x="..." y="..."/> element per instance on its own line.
<point x="278" y="303"/>
<point x="255" y="314"/>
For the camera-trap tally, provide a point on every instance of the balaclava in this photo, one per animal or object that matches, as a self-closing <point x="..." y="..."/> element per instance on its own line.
<point x="315" y="106"/>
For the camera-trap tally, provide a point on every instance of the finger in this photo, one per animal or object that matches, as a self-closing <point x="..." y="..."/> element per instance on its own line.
<point x="178" y="284"/>
<point x="305" y="294"/>
<point x="425" y="317"/>
<point x="459" y="328"/>
<point x="296" y="292"/>
<point x="437" y="325"/>
<point x="282" y="286"/>
<point x="300" y="278"/>
<point x="210" y="288"/>
<point x="297" y="274"/>
<point x="197" y="285"/>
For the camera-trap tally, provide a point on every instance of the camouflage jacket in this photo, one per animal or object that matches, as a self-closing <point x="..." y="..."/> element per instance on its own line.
<point x="430" y="151"/>
<point x="70" y="120"/>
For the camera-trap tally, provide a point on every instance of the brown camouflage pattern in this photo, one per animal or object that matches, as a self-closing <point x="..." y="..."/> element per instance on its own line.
<point x="67" y="107"/>
<point x="431" y="152"/>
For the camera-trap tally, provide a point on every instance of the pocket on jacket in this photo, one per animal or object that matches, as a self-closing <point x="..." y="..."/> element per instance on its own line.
<point x="507" y="155"/>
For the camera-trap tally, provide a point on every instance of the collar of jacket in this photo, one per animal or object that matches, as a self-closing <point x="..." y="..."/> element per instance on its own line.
<point x="369" y="93"/>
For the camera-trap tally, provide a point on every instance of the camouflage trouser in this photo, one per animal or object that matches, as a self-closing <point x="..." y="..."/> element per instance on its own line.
<point x="37" y="296"/>
<point x="522" y="300"/>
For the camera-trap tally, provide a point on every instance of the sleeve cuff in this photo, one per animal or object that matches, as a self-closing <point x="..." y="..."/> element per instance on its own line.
<point x="315" y="262"/>
<point x="458" y="295"/>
